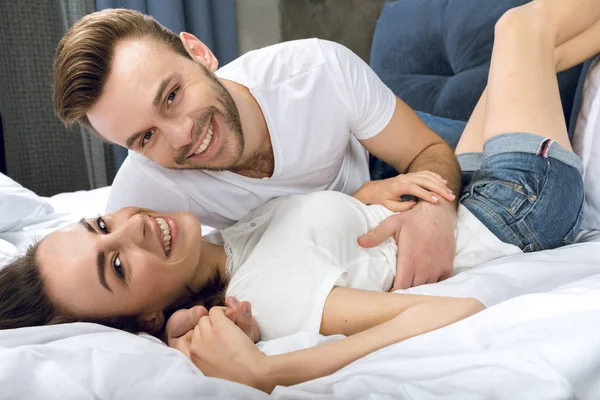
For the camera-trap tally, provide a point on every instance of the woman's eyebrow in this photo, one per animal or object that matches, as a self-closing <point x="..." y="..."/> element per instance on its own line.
<point x="100" y="257"/>
<point x="87" y="225"/>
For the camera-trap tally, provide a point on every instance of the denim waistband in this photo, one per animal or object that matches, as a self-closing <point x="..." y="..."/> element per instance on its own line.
<point x="518" y="142"/>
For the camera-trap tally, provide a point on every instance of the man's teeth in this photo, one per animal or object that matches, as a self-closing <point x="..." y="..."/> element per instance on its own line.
<point x="206" y="141"/>
<point x="166" y="233"/>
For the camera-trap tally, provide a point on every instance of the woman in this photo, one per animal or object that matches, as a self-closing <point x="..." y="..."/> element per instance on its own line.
<point x="295" y="258"/>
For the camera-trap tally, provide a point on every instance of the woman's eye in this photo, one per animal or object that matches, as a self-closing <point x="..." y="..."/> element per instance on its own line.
<point x="147" y="136"/>
<point x="171" y="97"/>
<point x="101" y="225"/>
<point x="118" y="268"/>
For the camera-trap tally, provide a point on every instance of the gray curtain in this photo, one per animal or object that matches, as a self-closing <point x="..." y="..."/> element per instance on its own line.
<point x="212" y="21"/>
<point x="40" y="153"/>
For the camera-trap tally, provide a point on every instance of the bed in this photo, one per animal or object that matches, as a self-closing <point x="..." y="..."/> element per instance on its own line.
<point x="538" y="338"/>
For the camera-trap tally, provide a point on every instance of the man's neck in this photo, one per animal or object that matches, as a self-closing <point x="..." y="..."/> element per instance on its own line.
<point x="260" y="165"/>
<point x="257" y="160"/>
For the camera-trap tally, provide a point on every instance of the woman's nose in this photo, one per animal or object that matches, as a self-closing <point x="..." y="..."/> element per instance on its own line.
<point x="133" y="231"/>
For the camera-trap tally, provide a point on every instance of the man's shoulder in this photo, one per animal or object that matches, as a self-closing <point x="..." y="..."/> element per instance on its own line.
<point x="137" y="168"/>
<point x="139" y="179"/>
<point x="275" y="64"/>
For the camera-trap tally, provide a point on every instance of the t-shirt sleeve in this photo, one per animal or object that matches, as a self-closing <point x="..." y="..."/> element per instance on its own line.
<point x="135" y="187"/>
<point x="371" y="102"/>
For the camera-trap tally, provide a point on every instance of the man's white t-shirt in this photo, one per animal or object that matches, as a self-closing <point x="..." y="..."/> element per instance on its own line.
<point x="286" y="257"/>
<point x="318" y="99"/>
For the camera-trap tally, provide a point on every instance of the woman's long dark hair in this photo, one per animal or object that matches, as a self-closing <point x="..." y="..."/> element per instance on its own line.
<point x="24" y="301"/>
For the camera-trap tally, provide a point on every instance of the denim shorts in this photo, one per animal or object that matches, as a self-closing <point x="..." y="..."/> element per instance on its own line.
<point x="526" y="189"/>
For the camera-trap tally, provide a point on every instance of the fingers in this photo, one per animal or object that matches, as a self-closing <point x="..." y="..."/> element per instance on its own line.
<point x="232" y="302"/>
<point x="240" y="313"/>
<point x="445" y="275"/>
<point x="404" y="277"/>
<point x="206" y="325"/>
<point x="399" y="206"/>
<point x="435" y="176"/>
<point x="388" y="227"/>
<point x="419" y="280"/>
<point x="405" y="268"/>
<point x="424" y="185"/>
<point x="184" y="320"/>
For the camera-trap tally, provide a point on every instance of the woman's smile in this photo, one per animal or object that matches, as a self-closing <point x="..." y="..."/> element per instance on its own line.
<point x="165" y="229"/>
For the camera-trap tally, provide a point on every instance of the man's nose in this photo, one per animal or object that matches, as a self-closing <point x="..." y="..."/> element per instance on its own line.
<point x="179" y="132"/>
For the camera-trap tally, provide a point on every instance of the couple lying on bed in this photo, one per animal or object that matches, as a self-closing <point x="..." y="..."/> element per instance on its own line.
<point x="296" y="259"/>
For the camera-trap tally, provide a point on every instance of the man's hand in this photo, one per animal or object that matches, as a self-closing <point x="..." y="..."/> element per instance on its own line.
<point x="424" y="185"/>
<point x="221" y="350"/>
<point x="425" y="239"/>
<point x="181" y="324"/>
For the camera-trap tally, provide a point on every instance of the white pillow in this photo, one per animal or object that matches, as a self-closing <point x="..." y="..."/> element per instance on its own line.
<point x="7" y="252"/>
<point x="19" y="206"/>
<point x="586" y="143"/>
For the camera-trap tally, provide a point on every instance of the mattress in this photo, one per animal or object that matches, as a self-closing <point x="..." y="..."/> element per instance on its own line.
<point x="538" y="339"/>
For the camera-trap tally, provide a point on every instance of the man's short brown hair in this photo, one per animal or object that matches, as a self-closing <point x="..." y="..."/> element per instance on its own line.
<point x="85" y="53"/>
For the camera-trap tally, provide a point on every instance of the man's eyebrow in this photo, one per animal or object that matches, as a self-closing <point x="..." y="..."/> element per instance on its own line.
<point x="100" y="257"/>
<point x="133" y="138"/>
<point x="156" y="102"/>
<point x="162" y="87"/>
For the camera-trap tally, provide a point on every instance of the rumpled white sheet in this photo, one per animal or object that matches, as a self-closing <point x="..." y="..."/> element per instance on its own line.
<point x="536" y="346"/>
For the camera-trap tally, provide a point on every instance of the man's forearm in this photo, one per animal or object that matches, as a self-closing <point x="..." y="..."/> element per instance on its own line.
<point x="439" y="158"/>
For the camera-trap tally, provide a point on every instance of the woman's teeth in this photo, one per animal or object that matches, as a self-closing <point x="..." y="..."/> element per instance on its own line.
<point x="166" y="233"/>
<point x="206" y="141"/>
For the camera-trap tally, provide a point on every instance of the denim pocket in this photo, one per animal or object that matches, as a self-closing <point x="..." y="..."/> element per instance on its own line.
<point x="510" y="196"/>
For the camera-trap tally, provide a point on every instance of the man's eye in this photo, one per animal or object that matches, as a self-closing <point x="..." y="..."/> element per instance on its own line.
<point x="171" y="97"/>
<point x="118" y="268"/>
<point x="101" y="225"/>
<point x="147" y="136"/>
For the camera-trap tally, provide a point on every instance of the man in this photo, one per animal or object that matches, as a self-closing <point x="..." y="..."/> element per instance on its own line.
<point x="291" y="118"/>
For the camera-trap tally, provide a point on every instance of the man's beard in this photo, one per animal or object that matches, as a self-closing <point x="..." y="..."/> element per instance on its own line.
<point x="230" y="115"/>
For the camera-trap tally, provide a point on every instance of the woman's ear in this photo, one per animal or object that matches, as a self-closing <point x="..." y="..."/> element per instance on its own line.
<point x="199" y="51"/>
<point x="151" y="323"/>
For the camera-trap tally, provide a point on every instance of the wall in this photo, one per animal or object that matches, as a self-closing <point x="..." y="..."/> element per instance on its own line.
<point x="349" y="22"/>
<point x="258" y="24"/>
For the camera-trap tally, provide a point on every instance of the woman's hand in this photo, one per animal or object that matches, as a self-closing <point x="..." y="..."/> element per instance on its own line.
<point x="220" y="349"/>
<point x="392" y="193"/>
<point x="181" y="324"/>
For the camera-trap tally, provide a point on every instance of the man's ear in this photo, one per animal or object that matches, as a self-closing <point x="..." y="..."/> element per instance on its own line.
<point x="151" y="322"/>
<point x="199" y="51"/>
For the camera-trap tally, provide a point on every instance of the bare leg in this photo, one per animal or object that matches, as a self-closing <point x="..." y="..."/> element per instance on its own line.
<point x="523" y="91"/>
<point x="471" y="140"/>
<point x="567" y="55"/>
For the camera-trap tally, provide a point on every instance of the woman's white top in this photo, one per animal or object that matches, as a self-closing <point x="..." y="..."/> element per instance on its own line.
<point x="286" y="256"/>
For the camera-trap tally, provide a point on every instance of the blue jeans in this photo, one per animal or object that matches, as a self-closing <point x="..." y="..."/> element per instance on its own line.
<point x="530" y="199"/>
<point x="525" y="189"/>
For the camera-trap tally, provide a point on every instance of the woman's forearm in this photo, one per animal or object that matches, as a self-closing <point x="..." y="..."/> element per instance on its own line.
<point x="300" y="366"/>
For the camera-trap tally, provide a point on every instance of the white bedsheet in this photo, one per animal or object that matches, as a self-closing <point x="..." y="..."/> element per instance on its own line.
<point x="543" y="343"/>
